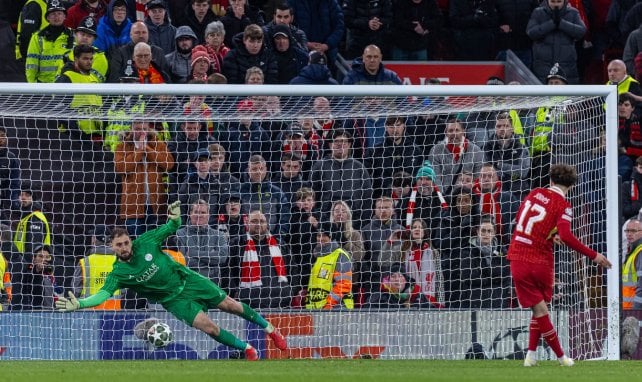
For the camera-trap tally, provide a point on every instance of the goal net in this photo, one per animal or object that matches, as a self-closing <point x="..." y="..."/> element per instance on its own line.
<point x="364" y="222"/>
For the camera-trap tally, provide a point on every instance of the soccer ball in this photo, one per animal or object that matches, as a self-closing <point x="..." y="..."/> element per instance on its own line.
<point x="160" y="335"/>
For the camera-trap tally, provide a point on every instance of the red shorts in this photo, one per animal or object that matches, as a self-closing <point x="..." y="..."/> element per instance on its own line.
<point x="533" y="282"/>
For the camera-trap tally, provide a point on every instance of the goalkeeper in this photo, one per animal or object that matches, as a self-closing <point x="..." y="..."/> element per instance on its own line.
<point x="144" y="268"/>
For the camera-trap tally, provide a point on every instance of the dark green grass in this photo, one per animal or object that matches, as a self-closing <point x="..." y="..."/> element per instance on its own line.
<point x="314" y="370"/>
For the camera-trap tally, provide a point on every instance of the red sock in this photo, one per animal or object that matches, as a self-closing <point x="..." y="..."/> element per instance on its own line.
<point x="533" y="335"/>
<point x="549" y="334"/>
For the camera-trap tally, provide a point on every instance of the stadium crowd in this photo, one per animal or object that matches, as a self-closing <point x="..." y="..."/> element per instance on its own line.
<point x="319" y="212"/>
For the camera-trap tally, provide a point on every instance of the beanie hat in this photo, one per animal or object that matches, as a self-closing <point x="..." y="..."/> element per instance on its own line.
<point x="426" y="171"/>
<point x="557" y="72"/>
<point x="200" y="53"/>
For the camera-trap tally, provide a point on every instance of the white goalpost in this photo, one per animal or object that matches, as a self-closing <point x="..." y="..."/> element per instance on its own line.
<point x="426" y="221"/>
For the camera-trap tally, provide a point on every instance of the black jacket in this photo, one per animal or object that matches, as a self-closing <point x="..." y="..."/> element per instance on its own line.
<point x="238" y="60"/>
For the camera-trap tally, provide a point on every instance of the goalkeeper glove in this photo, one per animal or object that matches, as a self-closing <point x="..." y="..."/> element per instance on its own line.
<point x="174" y="210"/>
<point x="67" y="305"/>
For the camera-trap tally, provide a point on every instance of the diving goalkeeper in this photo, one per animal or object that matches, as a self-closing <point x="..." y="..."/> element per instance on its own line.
<point x="144" y="268"/>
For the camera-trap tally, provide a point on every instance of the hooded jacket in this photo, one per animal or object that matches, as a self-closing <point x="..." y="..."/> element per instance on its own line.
<point x="180" y="64"/>
<point x="108" y="34"/>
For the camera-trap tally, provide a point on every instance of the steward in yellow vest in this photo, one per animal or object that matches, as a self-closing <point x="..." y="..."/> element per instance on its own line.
<point x="5" y="282"/>
<point x="630" y="272"/>
<point x="48" y="46"/>
<point x="330" y="283"/>
<point x="79" y="72"/>
<point x="33" y="228"/>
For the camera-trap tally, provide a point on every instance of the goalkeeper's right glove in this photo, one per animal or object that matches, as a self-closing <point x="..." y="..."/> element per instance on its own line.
<point x="174" y="211"/>
<point x="67" y="305"/>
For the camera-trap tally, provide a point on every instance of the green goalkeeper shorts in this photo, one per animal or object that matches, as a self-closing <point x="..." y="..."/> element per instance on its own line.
<point x="199" y="295"/>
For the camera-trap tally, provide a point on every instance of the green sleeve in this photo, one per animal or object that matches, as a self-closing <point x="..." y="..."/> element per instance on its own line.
<point x="161" y="233"/>
<point x="94" y="299"/>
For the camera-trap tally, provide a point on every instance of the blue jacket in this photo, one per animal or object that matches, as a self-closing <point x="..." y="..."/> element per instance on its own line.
<point x="314" y="74"/>
<point x="110" y="35"/>
<point x="359" y="76"/>
<point x="321" y="20"/>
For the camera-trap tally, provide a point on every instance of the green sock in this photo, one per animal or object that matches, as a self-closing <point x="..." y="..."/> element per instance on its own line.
<point x="229" y="339"/>
<point x="253" y="316"/>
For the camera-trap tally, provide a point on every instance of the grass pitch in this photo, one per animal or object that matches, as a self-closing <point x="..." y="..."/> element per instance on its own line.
<point x="314" y="370"/>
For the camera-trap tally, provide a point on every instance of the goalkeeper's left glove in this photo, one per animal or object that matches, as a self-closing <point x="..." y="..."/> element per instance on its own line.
<point x="174" y="211"/>
<point x="67" y="305"/>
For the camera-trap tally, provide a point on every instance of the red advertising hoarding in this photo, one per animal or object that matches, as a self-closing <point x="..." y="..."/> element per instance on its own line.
<point x="448" y="72"/>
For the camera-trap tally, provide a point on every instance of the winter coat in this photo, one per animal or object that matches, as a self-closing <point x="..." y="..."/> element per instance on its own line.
<point x="238" y="60"/>
<point x="359" y="76"/>
<point x="406" y="12"/>
<point x="119" y="57"/>
<point x="357" y="14"/>
<point x="216" y="189"/>
<point x="234" y="26"/>
<point x="206" y="251"/>
<point x="110" y="36"/>
<point x="388" y="158"/>
<point x="512" y="162"/>
<point x="314" y="74"/>
<point x="515" y="14"/>
<point x="322" y="21"/>
<point x="270" y="200"/>
<point x="162" y="36"/>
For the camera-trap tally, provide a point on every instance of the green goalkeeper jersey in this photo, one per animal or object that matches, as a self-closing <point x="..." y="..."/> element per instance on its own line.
<point x="151" y="273"/>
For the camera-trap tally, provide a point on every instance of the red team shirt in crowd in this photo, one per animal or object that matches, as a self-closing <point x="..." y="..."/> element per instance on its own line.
<point x="542" y="214"/>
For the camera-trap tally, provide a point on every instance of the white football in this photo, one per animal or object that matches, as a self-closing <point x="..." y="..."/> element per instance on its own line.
<point x="160" y="335"/>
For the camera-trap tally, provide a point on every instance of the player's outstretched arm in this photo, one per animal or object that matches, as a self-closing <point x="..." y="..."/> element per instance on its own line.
<point x="72" y="303"/>
<point x="161" y="233"/>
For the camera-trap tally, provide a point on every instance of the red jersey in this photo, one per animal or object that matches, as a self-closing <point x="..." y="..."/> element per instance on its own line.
<point x="543" y="213"/>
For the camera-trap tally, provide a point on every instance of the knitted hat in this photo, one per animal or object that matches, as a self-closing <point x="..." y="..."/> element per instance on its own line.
<point x="87" y="25"/>
<point x="55" y="5"/>
<point x="557" y="72"/>
<point x="200" y="53"/>
<point x="426" y="171"/>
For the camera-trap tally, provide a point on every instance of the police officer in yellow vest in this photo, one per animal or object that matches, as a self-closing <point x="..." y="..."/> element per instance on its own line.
<point x="330" y="283"/>
<point x="32" y="19"/>
<point x="33" y="228"/>
<point x="79" y="72"/>
<point x="632" y="269"/>
<point x="85" y="34"/>
<point x="92" y="270"/>
<point x="48" y="46"/>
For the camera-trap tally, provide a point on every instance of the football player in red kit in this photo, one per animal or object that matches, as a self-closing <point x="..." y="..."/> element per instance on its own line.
<point x="544" y="218"/>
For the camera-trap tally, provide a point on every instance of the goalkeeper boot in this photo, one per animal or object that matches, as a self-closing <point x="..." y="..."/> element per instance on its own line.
<point x="566" y="361"/>
<point x="530" y="359"/>
<point x="279" y="340"/>
<point x="251" y="354"/>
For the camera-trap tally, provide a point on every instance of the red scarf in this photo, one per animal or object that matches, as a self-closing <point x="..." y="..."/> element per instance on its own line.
<point x="141" y="11"/>
<point x="635" y="193"/>
<point x="216" y="57"/>
<point x="457" y="150"/>
<point x="150" y="76"/>
<point x="251" y="267"/>
<point x="412" y="203"/>
<point x="490" y="202"/>
<point x="302" y="155"/>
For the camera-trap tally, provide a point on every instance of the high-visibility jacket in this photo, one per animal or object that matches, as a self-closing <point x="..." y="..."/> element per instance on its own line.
<point x="99" y="66"/>
<point x="545" y="118"/>
<point x="5" y="278"/>
<point x="20" y="236"/>
<point x="518" y="127"/>
<point x="44" y="57"/>
<point x="32" y="19"/>
<point x="624" y="85"/>
<point x="630" y="279"/>
<point x="86" y="104"/>
<point x="94" y="270"/>
<point x="328" y="288"/>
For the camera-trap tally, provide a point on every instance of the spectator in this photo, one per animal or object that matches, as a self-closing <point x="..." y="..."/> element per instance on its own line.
<point x="197" y="16"/>
<point x="350" y="239"/>
<point x="304" y="223"/>
<point x="631" y="288"/>
<point x="340" y="177"/>
<point x="295" y="144"/>
<point x="215" y="46"/>
<point x="316" y="72"/>
<point x="200" y="65"/>
<point x="617" y="72"/>
<point x="188" y="141"/>
<point x="161" y="33"/>
<point x="631" y="202"/>
<point x="9" y="178"/>
<point x="289" y="178"/>
<point x="259" y="193"/>
<point x="260" y="267"/>
<point x="206" y="248"/>
<point x="330" y="285"/>
<point x="34" y="285"/>
<point x="141" y="160"/>
<point x="31" y="20"/>
<point x="504" y="150"/>
<point x="629" y="130"/>
<point x="494" y="201"/>
<point x="230" y="221"/>
<point x="367" y="23"/>
<point x="554" y="27"/>
<point x="395" y="153"/>
<point x="290" y="59"/>
<point x="284" y="15"/>
<point x="89" y="274"/>
<point x="113" y="28"/>
<point x="400" y="189"/>
<point x="323" y="24"/>
<point x="85" y="34"/>
<point x="180" y="60"/>
<point x="244" y="138"/>
<point x="376" y="233"/>
<point x="121" y="57"/>
<point x="368" y="70"/>
<point x="423" y="264"/>
<point x="474" y="25"/>
<point x="456" y="223"/>
<point x="83" y="9"/>
<point x="249" y="52"/>
<point x="485" y="276"/>
<point x="209" y="181"/>
<point x="47" y="47"/>
<point x="33" y="228"/>
<point x="397" y="290"/>
<point x="239" y="15"/>
<point x="5" y="284"/>
<point x="454" y="155"/>
<point x="513" y="18"/>
<point x="416" y="25"/>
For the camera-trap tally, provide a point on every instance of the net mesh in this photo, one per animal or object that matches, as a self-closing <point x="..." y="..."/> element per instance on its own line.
<point x="420" y="192"/>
